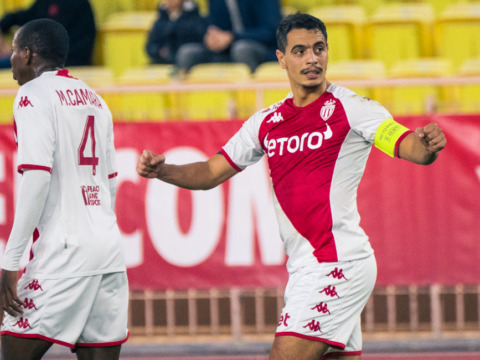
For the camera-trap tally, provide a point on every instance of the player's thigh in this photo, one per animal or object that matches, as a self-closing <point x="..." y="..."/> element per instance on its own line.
<point x="295" y="348"/>
<point x="99" y="353"/>
<point x="14" y="348"/>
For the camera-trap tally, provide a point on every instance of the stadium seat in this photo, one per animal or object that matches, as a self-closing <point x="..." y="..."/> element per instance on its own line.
<point x="123" y="37"/>
<point x="8" y="90"/>
<point x="211" y="104"/>
<point x="457" y="32"/>
<point x="358" y="70"/>
<point x="344" y="29"/>
<point x="400" y="31"/>
<point x="147" y="106"/>
<point x="271" y="72"/>
<point x="421" y="98"/>
<point x="469" y="94"/>
<point x="104" y="9"/>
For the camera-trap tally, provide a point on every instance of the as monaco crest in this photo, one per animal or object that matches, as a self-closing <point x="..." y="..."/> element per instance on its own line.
<point x="327" y="109"/>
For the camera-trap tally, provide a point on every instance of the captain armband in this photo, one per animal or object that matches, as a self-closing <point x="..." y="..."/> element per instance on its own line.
<point x="388" y="135"/>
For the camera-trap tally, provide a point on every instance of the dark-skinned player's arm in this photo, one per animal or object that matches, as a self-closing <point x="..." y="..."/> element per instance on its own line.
<point x="201" y="175"/>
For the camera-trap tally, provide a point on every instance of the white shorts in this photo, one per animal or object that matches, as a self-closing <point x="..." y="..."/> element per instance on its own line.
<point x="88" y="311"/>
<point x="325" y="304"/>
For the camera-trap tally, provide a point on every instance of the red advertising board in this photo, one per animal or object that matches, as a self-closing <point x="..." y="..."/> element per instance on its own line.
<point x="421" y="219"/>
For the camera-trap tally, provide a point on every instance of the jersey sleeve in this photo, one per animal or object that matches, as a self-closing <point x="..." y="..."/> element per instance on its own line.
<point x="244" y="148"/>
<point x="35" y="130"/>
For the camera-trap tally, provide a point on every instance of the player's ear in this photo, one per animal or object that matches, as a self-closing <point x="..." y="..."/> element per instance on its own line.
<point x="28" y="55"/>
<point x="281" y="58"/>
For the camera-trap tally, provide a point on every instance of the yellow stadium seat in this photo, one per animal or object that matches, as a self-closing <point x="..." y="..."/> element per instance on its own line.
<point x="94" y="76"/>
<point x="457" y="32"/>
<point x="271" y="72"/>
<point x="469" y="94"/>
<point x="8" y="91"/>
<point x="212" y="104"/>
<point x="104" y="9"/>
<point x="400" y="31"/>
<point x="123" y="37"/>
<point x="151" y="105"/>
<point x="421" y="98"/>
<point x="344" y="29"/>
<point x="358" y="70"/>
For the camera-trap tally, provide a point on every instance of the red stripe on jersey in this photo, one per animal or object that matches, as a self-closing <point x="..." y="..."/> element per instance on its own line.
<point x="33" y="167"/>
<point x="111" y="176"/>
<point x="302" y="150"/>
<point x="230" y="160"/>
<point x="64" y="73"/>
<point x="36" y="235"/>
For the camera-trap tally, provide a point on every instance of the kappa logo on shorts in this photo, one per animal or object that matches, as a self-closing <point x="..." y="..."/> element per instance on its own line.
<point x="330" y="291"/>
<point x="28" y="304"/>
<point x="314" y="326"/>
<point x="24" y="102"/>
<point x="34" y="285"/>
<point x="321" y="308"/>
<point x="22" y="324"/>
<point x="337" y="274"/>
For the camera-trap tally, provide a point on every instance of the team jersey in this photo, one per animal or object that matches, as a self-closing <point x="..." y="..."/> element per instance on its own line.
<point x="62" y="126"/>
<point x="316" y="155"/>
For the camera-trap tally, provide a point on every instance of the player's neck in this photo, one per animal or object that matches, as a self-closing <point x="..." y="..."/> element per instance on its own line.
<point x="43" y="68"/>
<point x="302" y="96"/>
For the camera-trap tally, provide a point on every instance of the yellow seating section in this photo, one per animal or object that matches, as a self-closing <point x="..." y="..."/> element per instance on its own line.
<point x="469" y="94"/>
<point x="419" y="99"/>
<point x="123" y="37"/>
<point x="368" y="40"/>
<point x="358" y="70"/>
<point x="218" y="104"/>
<point x="344" y="25"/>
<point x="271" y="72"/>
<point x="8" y="90"/>
<point x="458" y="32"/>
<point x="400" y="31"/>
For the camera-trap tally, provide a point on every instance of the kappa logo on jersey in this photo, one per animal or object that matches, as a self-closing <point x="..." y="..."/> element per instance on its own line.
<point x="327" y="109"/>
<point x="276" y="118"/>
<point x="90" y="195"/>
<point x="24" y="102"/>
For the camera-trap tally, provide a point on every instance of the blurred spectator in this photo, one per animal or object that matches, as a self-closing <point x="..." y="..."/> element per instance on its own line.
<point x="75" y="15"/>
<point x="179" y="22"/>
<point x="239" y="31"/>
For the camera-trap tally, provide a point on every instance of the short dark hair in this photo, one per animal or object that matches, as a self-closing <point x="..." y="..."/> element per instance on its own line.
<point x="47" y="38"/>
<point x="298" y="21"/>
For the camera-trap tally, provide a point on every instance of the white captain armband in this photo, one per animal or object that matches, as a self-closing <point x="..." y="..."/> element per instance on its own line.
<point x="388" y="135"/>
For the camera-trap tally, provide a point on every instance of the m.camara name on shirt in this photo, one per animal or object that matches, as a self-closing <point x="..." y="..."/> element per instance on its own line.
<point x="78" y="97"/>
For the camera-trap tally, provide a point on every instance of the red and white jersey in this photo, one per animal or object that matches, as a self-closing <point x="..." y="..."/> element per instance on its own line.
<point x="62" y="126"/>
<point x="317" y="155"/>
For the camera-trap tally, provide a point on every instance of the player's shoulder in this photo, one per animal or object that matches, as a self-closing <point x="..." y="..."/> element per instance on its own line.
<point x="351" y="99"/>
<point x="263" y="114"/>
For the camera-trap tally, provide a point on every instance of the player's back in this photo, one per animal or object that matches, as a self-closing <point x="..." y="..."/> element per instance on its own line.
<point x="74" y="141"/>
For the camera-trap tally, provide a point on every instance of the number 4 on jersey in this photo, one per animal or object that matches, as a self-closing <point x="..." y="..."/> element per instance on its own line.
<point x="89" y="132"/>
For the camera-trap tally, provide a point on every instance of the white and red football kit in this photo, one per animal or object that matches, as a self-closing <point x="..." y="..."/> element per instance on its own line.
<point x="64" y="134"/>
<point x="316" y="155"/>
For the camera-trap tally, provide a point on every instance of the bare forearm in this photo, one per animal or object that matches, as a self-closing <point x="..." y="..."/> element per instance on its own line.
<point x="194" y="176"/>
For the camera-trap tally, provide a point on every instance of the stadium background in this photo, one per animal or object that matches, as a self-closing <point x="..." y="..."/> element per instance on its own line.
<point x="209" y="265"/>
